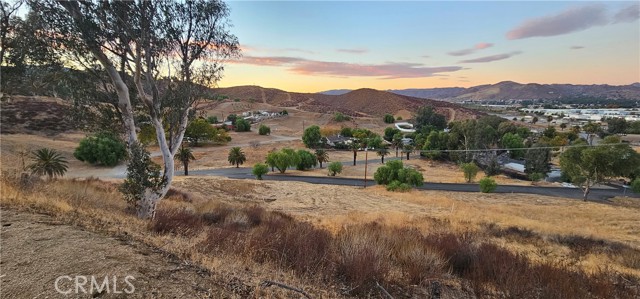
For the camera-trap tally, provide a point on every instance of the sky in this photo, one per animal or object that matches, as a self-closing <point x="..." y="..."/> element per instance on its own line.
<point x="307" y="46"/>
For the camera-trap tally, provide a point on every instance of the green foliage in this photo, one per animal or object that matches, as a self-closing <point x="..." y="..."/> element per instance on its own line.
<point x="48" y="162"/>
<point x="470" y="171"/>
<point x="436" y="143"/>
<point x="514" y="143"/>
<point x="617" y="125"/>
<point x="259" y="170"/>
<point x="427" y="117"/>
<point x="487" y="185"/>
<point x="283" y="159"/>
<point x="536" y="176"/>
<point x="389" y="132"/>
<point x="311" y="137"/>
<point x="101" y="149"/>
<point x="147" y="134"/>
<point x="212" y="119"/>
<point x="635" y="185"/>
<point x="185" y="155"/>
<point x="334" y="168"/>
<point x="398" y="186"/>
<point x="339" y="117"/>
<point x="394" y="174"/>
<point x="382" y="152"/>
<point x="242" y="125"/>
<point x="200" y="130"/>
<point x="388" y="118"/>
<point x="143" y="175"/>
<point x="236" y="156"/>
<point x="492" y="168"/>
<point x="284" y="112"/>
<point x="232" y="118"/>
<point x="322" y="156"/>
<point x="537" y="160"/>
<point x="307" y="160"/>
<point x="264" y="130"/>
<point x="399" y="118"/>
<point x="346" y="132"/>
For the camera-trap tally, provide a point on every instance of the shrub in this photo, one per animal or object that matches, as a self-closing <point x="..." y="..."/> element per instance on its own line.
<point x="264" y="130"/>
<point x="180" y="222"/>
<point x="397" y="177"/>
<point x="200" y="130"/>
<point x="284" y="112"/>
<point x="311" y="137"/>
<point x="635" y="185"/>
<point x="399" y="118"/>
<point x="536" y="176"/>
<point x="212" y="119"/>
<point x="470" y="171"/>
<point x="334" y="168"/>
<point x="487" y="185"/>
<point x="143" y="175"/>
<point x="398" y="186"/>
<point x="339" y="117"/>
<point x="242" y="125"/>
<point x="283" y="159"/>
<point x="307" y="160"/>
<point x="388" y="118"/>
<point x="101" y="149"/>
<point x="259" y="170"/>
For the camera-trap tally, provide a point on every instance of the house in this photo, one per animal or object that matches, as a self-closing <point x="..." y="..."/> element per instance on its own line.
<point x="337" y="140"/>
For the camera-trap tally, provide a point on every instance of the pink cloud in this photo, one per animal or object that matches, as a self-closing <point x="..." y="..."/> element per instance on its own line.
<point x="571" y="20"/>
<point x="343" y="69"/>
<point x="353" y="51"/>
<point x="491" y="58"/>
<point x="468" y="51"/>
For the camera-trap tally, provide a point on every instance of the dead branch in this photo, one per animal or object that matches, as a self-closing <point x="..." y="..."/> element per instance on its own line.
<point x="268" y="283"/>
<point x="384" y="291"/>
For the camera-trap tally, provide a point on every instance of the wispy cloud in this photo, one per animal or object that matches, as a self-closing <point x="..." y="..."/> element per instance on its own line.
<point x="576" y="47"/>
<point x="343" y="69"/>
<point x="468" y="51"/>
<point x="570" y="20"/>
<point x="353" y="51"/>
<point x="425" y="56"/>
<point x="627" y="14"/>
<point x="491" y="58"/>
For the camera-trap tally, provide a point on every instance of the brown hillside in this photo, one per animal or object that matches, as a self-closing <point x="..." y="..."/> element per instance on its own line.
<point x="362" y="102"/>
<point x="34" y="114"/>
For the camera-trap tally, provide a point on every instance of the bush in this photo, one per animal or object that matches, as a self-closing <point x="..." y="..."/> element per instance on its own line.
<point x="334" y="168"/>
<point x="242" y="125"/>
<point x="398" y="186"/>
<point x="283" y="159"/>
<point x="388" y="118"/>
<point x="101" y="149"/>
<point x="397" y="177"/>
<point x="259" y="170"/>
<point x="470" y="171"/>
<point x="212" y="119"/>
<point x="635" y="185"/>
<point x="536" y="176"/>
<point x="487" y="185"/>
<point x="339" y="117"/>
<point x="307" y="160"/>
<point x="264" y="130"/>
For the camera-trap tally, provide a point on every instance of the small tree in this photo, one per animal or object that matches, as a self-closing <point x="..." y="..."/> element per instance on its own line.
<point x="212" y="119"/>
<point x="283" y="159"/>
<point x="388" y="118"/>
<point x="242" y="125"/>
<point x="198" y="130"/>
<point x="307" y="160"/>
<point x="334" y="168"/>
<point x="346" y="132"/>
<point x="232" y="118"/>
<point x="264" y="130"/>
<point x="185" y="155"/>
<point x="259" y="170"/>
<point x="354" y="146"/>
<point x="534" y="120"/>
<point x="48" y="162"/>
<point x="397" y="177"/>
<point x="635" y="185"/>
<point x="322" y="156"/>
<point x="514" y="143"/>
<point x="407" y="149"/>
<point x="487" y="185"/>
<point x="397" y="142"/>
<point x="143" y="176"/>
<point x="383" y="151"/>
<point x="537" y="160"/>
<point x="236" y="156"/>
<point x="339" y="117"/>
<point x="470" y="171"/>
<point x="311" y="137"/>
<point x="549" y="118"/>
<point x="563" y="126"/>
<point x="101" y="149"/>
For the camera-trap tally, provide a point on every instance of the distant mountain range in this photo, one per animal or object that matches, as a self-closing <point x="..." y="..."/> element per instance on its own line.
<point x="509" y="90"/>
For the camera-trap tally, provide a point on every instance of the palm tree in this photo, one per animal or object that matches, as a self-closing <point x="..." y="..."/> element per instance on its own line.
<point x="397" y="142"/>
<point x="48" y="162"/>
<point x="408" y="149"/>
<point x="354" y="146"/>
<point x="236" y="156"/>
<point x="185" y="155"/>
<point x="322" y="156"/>
<point x="383" y="151"/>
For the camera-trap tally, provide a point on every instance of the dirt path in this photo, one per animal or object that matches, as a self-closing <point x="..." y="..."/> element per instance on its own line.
<point x="36" y="250"/>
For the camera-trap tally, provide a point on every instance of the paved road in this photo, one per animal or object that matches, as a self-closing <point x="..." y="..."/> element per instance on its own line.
<point x="596" y="194"/>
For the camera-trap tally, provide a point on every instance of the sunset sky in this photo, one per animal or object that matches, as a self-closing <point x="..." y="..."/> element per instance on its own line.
<point x="315" y="46"/>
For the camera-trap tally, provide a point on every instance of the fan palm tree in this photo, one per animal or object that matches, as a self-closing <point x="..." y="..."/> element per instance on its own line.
<point x="48" y="162"/>
<point x="397" y="142"/>
<point x="236" y="156"/>
<point x="354" y="146"/>
<point x="407" y="149"/>
<point x="383" y="151"/>
<point x="185" y="155"/>
<point x="322" y="156"/>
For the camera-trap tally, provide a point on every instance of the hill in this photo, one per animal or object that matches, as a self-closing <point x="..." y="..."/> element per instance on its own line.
<point x="359" y="103"/>
<point x="508" y="90"/>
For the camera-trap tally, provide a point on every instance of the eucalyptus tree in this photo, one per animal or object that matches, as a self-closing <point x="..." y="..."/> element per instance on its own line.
<point x="136" y="43"/>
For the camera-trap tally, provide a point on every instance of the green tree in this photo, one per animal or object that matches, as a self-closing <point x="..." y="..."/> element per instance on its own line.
<point x="334" y="168"/>
<point x="436" y="143"/>
<point x="592" y="129"/>
<point x="236" y="156"/>
<point x="143" y="176"/>
<point x="397" y="142"/>
<point x="635" y="185"/>
<point x="232" y="118"/>
<point x="617" y="125"/>
<point x="283" y="159"/>
<point x="487" y="185"/>
<point x="388" y="118"/>
<point x="587" y="166"/>
<point x="306" y="160"/>
<point x="48" y="162"/>
<point x="311" y="137"/>
<point x="259" y="170"/>
<point x="322" y="156"/>
<point x="549" y="118"/>
<point x="264" y="130"/>
<point x="537" y="160"/>
<point x="534" y="120"/>
<point x="147" y="134"/>
<point x="242" y="125"/>
<point x="101" y="149"/>
<point x="396" y="176"/>
<point x="563" y="126"/>
<point x="198" y="130"/>
<point x="514" y="143"/>
<point x="382" y="151"/>
<point x="185" y="155"/>
<point x="426" y="117"/>
<point x="407" y="149"/>
<point x="354" y="146"/>
<point x="389" y="132"/>
<point x="470" y="171"/>
<point x="339" y="117"/>
<point x="212" y="119"/>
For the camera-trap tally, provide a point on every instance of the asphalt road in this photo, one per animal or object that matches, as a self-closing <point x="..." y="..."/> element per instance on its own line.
<point x="595" y="194"/>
